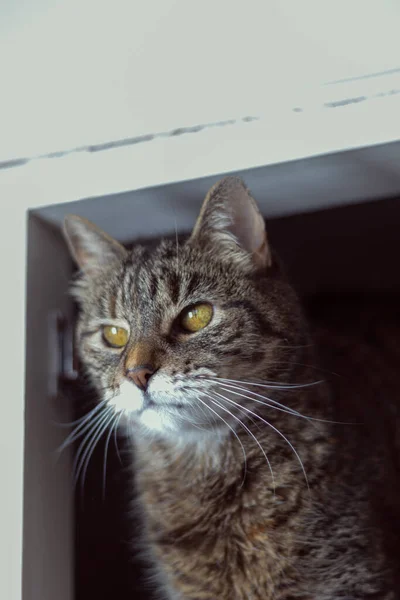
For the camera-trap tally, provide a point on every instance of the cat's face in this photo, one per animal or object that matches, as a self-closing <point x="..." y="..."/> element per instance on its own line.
<point x="169" y="336"/>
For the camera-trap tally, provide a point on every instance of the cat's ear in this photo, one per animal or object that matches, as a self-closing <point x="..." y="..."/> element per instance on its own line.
<point x="230" y="223"/>
<point x="91" y="248"/>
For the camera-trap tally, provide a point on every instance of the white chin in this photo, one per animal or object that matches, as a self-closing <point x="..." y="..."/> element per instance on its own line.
<point x="130" y="402"/>
<point x="155" y="421"/>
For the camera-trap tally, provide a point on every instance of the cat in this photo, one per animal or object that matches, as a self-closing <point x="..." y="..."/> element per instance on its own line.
<point x="259" y="475"/>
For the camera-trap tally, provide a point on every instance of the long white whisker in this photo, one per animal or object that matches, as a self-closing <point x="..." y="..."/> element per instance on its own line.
<point x="282" y="408"/>
<point x="248" y="431"/>
<point x="112" y="427"/>
<point x="279" y="406"/>
<point x="192" y="423"/>
<point x="116" y="438"/>
<point x="94" y="426"/>
<point x="277" y="431"/>
<point x="203" y="410"/>
<point x="315" y="368"/>
<point x="250" y="419"/>
<point x="234" y="433"/>
<point x="271" y="385"/>
<point x="84" y="417"/>
<point x="86" y="442"/>
<point x="294" y="347"/>
<point x="95" y="441"/>
<point x="80" y="431"/>
<point x="196" y="416"/>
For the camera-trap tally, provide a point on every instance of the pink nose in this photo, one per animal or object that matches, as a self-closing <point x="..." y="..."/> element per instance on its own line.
<point x="140" y="375"/>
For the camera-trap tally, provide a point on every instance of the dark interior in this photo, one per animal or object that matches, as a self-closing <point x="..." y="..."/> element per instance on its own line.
<point x="348" y="255"/>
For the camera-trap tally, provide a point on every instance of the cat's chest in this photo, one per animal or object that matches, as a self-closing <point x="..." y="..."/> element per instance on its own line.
<point x="206" y="531"/>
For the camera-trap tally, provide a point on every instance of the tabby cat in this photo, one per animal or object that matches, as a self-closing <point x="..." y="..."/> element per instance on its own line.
<point x="260" y="476"/>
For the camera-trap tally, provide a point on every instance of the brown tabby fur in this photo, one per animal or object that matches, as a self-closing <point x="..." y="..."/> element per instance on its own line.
<point x="217" y="524"/>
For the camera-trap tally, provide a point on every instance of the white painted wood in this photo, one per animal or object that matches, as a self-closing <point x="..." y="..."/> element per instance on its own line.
<point x="88" y="71"/>
<point x="48" y="490"/>
<point x="47" y="514"/>
<point x="233" y="147"/>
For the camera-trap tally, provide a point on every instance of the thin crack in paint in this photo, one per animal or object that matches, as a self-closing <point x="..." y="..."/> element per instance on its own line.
<point x="345" y="102"/>
<point x="18" y="162"/>
<point x="368" y="76"/>
<point x="348" y="101"/>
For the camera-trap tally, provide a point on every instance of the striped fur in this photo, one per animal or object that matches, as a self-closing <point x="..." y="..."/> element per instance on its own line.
<point x="243" y="499"/>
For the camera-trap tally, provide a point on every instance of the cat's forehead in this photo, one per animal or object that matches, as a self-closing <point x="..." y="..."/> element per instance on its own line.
<point x="167" y="255"/>
<point x="172" y="273"/>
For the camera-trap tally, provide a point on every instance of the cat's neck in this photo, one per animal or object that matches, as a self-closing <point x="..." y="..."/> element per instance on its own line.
<point x="203" y="450"/>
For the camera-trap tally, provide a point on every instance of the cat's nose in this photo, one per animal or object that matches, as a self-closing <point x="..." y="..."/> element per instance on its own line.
<point x="140" y="375"/>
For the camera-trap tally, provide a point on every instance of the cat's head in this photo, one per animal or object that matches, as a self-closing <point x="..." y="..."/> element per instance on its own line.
<point x="169" y="336"/>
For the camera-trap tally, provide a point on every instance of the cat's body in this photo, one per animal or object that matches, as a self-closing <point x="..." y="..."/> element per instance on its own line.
<point x="220" y="530"/>
<point x="211" y="367"/>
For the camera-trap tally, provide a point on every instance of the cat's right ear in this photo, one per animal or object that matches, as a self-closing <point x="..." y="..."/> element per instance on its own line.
<point x="91" y="248"/>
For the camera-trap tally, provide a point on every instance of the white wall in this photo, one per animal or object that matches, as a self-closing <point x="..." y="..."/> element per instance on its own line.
<point x="89" y="71"/>
<point x="12" y="374"/>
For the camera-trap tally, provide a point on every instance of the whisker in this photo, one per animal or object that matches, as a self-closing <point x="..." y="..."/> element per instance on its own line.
<point x="296" y="347"/>
<point x="93" y="428"/>
<point x="279" y="406"/>
<point x="204" y="412"/>
<point x="192" y="423"/>
<point x="251" y="420"/>
<point x="116" y="418"/>
<point x="196" y="416"/>
<point x="282" y="408"/>
<point x="83" y="418"/>
<point x="87" y="441"/>
<point x="95" y="440"/>
<point x="116" y="438"/>
<point x="272" y="385"/>
<point x="80" y="430"/>
<point x="248" y="431"/>
<point x="277" y="431"/>
<point x="234" y="433"/>
<point x="315" y="368"/>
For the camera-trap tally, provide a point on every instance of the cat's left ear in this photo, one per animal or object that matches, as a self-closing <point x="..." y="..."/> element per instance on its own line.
<point x="230" y="224"/>
<point x="92" y="248"/>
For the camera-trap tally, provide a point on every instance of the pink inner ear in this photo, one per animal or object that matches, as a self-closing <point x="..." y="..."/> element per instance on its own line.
<point x="229" y="212"/>
<point x="249" y="229"/>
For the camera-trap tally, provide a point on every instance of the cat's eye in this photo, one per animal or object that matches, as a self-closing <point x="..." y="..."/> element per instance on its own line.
<point x="196" y="317"/>
<point x="116" y="337"/>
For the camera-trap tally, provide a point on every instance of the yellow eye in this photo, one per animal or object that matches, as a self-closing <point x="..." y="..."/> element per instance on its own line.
<point x="196" y="317"/>
<point x="117" y="337"/>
